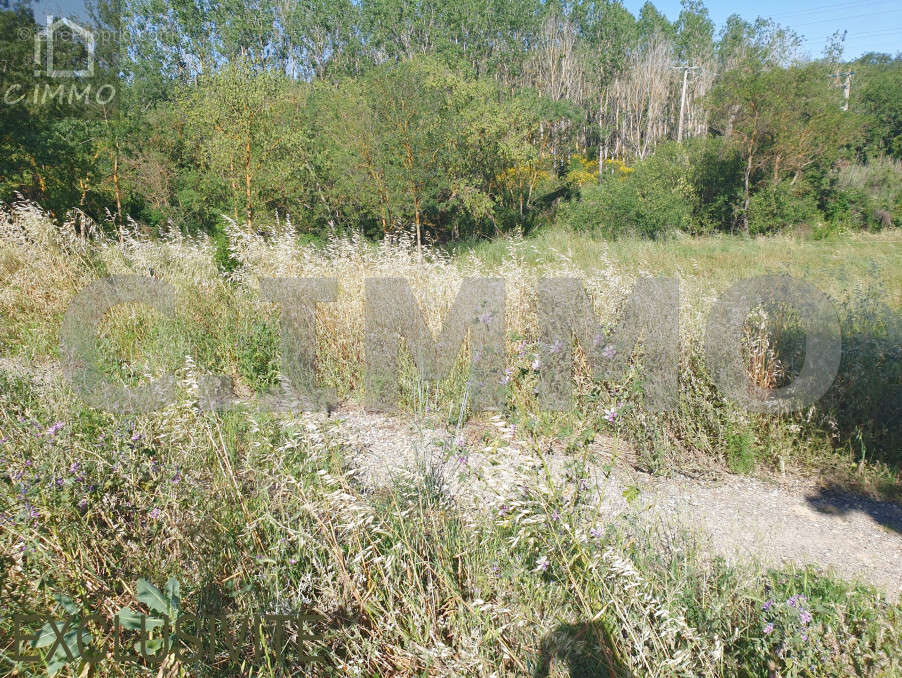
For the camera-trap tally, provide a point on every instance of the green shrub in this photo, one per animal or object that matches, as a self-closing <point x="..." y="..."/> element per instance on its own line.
<point x="868" y="196"/>
<point x="716" y="173"/>
<point x="650" y="201"/>
<point x="741" y="452"/>
<point x="779" y="206"/>
<point x="258" y="355"/>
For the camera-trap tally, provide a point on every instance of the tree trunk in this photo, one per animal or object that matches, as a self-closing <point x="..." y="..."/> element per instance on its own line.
<point x="116" y="189"/>
<point x="745" y="208"/>
<point x="247" y="182"/>
<point x="234" y="189"/>
<point x="416" y="213"/>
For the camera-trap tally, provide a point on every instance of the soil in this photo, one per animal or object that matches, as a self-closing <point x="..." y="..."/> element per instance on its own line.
<point x="737" y="517"/>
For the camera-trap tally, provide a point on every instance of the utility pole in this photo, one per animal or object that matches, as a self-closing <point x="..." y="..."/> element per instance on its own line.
<point x="847" y="89"/>
<point x="686" y="70"/>
<point x="846" y="86"/>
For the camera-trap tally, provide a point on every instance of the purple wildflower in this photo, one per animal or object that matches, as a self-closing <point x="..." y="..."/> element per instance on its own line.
<point x="805" y="617"/>
<point x="595" y="532"/>
<point x="768" y="628"/>
<point x="155" y="513"/>
<point x="542" y="564"/>
<point x="608" y="352"/>
<point x="485" y="318"/>
<point x="53" y="430"/>
<point x="767" y="605"/>
<point x="611" y="414"/>
<point x="536" y="364"/>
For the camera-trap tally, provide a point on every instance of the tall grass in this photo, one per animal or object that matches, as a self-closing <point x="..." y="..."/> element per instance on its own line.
<point x="257" y="513"/>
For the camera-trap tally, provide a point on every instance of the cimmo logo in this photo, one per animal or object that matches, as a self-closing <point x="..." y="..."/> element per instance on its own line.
<point x="62" y="29"/>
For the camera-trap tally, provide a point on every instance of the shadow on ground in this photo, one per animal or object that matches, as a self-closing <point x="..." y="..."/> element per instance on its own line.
<point x="583" y="650"/>
<point x="834" y="500"/>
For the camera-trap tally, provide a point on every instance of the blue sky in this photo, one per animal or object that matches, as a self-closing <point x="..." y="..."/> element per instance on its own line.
<point x="873" y="25"/>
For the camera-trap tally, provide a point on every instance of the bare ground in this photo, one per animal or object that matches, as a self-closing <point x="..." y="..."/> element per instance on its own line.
<point x="737" y="517"/>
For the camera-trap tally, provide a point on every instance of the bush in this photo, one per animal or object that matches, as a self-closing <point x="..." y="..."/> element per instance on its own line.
<point x="650" y="201"/>
<point x="741" y="452"/>
<point x="717" y="172"/>
<point x="867" y="196"/>
<point x="779" y="206"/>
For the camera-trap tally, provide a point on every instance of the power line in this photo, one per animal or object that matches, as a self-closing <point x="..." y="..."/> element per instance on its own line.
<point x="846" y="18"/>
<point x="686" y="68"/>
<point x="818" y="10"/>
<point x="871" y="34"/>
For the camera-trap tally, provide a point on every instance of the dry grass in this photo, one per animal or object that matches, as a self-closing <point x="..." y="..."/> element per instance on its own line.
<point x="254" y="513"/>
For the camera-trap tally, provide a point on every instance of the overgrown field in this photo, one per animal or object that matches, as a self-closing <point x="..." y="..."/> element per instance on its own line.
<point x="252" y="512"/>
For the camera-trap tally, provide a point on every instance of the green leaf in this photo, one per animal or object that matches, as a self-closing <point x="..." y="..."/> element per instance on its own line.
<point x="71" y="641"/>
<point x="631" y="493"/>
<point x="150" y="595"/>
<point x="46" y="636"/>
<point x="151" y="645"/>
<point x="67" y="603"/>
<point x="54" y="666"/>
<point x="172" y="593"/>
<point x="131" y="620"/>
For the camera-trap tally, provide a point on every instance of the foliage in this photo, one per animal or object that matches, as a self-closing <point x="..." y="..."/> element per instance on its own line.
<point x="254" y="513"/>
<point x="877" y="94"/>
<point x="452" y="120"/>
<point x="781" y="206"/>
<point x="650" y="201"/>
<point x="781" y="137"/>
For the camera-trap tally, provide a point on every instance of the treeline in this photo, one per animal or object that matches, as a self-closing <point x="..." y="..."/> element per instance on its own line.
<point x="459" y="119"/>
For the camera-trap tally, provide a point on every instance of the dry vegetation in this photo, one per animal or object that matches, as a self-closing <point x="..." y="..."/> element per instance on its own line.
<point x="254" y="513"/>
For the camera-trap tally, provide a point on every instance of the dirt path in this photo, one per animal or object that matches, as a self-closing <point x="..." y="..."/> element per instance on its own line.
<point x="739" y="518"/>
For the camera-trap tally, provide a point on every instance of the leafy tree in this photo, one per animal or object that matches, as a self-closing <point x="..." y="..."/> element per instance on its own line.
<point x="777" y="134"/>
<point x="878" y="95"/>
<point x="230" y="115"/>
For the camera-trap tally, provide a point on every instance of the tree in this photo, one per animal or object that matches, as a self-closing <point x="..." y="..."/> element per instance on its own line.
<point x="231" y="117"/>
<point x="878" y="95"/>
<point x="782" y="120"/>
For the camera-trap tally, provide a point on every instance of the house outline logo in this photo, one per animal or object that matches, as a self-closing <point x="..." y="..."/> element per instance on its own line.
<point x="46" y="35"/>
